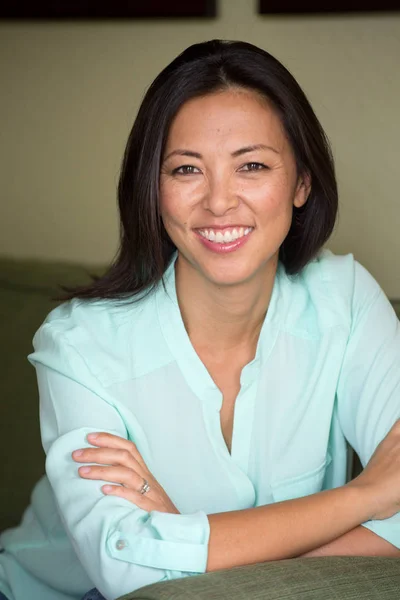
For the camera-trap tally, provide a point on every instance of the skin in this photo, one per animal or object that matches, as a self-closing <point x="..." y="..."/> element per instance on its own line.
<point x="258" y="189"/>
<point x="210" y="178"/>
<point x="318" y="525"/>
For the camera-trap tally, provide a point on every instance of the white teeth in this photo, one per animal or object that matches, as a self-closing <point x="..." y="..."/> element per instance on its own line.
<point x="226" y="237"/>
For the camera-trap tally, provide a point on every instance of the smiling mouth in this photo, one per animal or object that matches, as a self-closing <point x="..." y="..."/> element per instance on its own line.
<point x="225" y="237"/>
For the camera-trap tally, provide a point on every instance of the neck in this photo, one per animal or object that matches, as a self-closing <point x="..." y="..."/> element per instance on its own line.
<point x="223" y="319"/>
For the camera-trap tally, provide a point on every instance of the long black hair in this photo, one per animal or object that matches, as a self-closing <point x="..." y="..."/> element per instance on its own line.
<point x="145" y="248"/>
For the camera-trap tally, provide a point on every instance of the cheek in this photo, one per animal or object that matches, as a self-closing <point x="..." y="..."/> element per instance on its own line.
<point x="168" y="201"/>
<point x="273" y="202"/>
<point x="173" y="208"/>
<point x="178" y="200"/>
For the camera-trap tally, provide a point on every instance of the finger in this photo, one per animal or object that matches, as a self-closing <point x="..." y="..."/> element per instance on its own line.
<point x="121" y="475"/>
<point x="114" y="441"/>
<point x="142" y="501"/>
<point x="107" y="456"/>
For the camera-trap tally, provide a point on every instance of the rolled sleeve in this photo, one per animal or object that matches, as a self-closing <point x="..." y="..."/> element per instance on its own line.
<point x="178" y="540"/>
<point x="369" y="386"/>
<point x="121" y="546"/>
<point x="389" y="529"/>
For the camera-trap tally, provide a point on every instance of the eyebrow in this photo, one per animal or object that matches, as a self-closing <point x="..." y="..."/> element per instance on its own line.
<point x="252" y="148"/>
<point x="239" y="152"/>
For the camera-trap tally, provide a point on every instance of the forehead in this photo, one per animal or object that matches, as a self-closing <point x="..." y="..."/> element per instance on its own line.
<point x="233" y="113"/>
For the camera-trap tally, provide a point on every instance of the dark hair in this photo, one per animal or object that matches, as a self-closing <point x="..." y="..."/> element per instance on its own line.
<point x="145" y="248"/>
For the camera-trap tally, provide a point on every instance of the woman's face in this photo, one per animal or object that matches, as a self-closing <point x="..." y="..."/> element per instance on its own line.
<point x="228" y="185"/>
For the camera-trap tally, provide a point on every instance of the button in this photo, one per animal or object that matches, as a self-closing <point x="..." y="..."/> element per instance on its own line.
<point x="121" y="544"/>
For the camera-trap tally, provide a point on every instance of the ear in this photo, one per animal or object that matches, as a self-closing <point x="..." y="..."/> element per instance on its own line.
<point x="303" y="190"/>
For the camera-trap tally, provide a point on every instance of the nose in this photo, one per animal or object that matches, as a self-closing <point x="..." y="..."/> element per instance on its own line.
<point x="219" y="197"/>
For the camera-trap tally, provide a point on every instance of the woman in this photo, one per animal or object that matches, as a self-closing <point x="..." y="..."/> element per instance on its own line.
<point x="213" y="376"/>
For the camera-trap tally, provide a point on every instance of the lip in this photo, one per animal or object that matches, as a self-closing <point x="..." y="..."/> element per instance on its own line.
<point x="221" y="248"/>
<point x="222" y="227"/>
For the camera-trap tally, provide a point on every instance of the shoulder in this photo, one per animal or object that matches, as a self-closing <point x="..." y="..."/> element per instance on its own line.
<point x="345" y="279"/>
<point x="104" y="337"/>
<point x="334" y="289"/>
<point x="341" y="274"/>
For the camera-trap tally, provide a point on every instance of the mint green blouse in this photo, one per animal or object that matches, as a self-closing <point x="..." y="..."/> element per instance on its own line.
<point x="326" y="371"/>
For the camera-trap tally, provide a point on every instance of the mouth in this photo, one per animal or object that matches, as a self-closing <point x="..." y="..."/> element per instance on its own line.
<point x="225" y="236"/>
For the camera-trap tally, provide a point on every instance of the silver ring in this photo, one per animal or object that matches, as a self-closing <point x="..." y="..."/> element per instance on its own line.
<point x="145" y="487"/>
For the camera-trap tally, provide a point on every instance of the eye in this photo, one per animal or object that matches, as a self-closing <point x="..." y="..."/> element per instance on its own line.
<point x="253" y="166"/>
<point x="185" y="170"/>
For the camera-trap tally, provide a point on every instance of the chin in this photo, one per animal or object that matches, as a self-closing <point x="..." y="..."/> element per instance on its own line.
<point x="228" y="270"/>
<point x="229" y="275"/>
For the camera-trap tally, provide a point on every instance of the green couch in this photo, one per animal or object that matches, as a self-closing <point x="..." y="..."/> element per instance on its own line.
<point x="26" y="289"/>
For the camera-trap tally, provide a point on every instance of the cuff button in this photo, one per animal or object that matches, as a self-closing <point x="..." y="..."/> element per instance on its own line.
<point x="121" y="544"/>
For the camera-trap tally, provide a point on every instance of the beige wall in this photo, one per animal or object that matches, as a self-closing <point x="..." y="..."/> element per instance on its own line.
<point x="69" y="93"/>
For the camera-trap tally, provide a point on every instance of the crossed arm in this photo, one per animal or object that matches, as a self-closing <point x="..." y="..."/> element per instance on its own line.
<point x="357" y="542"/>
<point x="323" y="524"/>
<point x="161" y="545"/>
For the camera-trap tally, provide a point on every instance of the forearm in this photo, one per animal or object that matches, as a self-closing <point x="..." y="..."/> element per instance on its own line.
<point x="285" y="529"/>
<point x="357" y="542"/>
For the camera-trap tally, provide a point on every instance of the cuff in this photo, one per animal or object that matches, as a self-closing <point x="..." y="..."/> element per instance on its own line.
<point x="166" y="541"/>
<point x="388" y="529"/>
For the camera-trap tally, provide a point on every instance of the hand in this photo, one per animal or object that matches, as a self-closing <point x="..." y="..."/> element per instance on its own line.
<point x="122" y="463"/>
<point x="380" y="479"/>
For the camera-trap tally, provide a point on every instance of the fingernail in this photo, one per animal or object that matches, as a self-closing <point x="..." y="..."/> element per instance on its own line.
<point x="84" y="470"/>
<point x="107" y="488"/>
<point x="92" y="436"/>
<point x="77" y="453"/>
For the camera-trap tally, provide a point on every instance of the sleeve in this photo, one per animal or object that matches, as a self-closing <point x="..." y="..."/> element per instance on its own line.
<point x="369" y="383"/>
<point x="121" y="546"/>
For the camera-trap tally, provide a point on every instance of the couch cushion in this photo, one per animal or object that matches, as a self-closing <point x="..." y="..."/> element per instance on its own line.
<point x="26" y="288"/>
<point x="396" y="306"/>
<point x="330" y="578"/>
<point x="42" y="276"/>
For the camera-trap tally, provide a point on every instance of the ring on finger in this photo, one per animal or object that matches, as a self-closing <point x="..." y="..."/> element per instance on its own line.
<point x="145" y="487"/>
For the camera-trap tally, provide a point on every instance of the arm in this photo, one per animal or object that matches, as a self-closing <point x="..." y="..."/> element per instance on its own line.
<point x="368" y="393"/>
<point x="235" y="538"/>
<point x="121" y="546"/>
<point x="357" y="542"/>
<point x="295" y="527"/>
<point x="283" y="530"/>
<point x="288" y="526"/>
